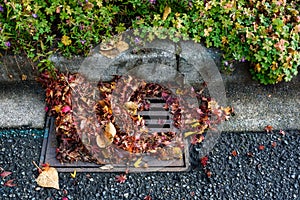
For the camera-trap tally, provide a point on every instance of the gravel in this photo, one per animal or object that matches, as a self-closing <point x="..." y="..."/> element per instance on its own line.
<point x="271" y="173"/>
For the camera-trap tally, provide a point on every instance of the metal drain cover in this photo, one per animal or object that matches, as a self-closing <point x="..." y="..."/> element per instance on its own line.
<point x="157" y="120"/>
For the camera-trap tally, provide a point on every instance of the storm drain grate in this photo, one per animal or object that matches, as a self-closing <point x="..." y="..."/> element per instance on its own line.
<point x="157" y="119"/>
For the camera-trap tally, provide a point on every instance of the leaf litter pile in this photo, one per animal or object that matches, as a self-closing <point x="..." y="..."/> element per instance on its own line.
<point x="100" y="122"/>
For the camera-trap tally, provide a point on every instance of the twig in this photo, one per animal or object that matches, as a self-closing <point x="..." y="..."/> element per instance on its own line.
<point x="36" y="166"/>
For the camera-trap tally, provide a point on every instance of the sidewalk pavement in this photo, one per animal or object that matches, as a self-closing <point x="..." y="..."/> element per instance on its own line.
<point x="255" y="105"/>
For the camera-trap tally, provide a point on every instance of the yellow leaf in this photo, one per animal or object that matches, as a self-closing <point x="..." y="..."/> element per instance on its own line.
<point x="73" y="175"/>
<point x="48" y="178"/>
<point x="110" y="131"/>
<point x="57" y="108"/>
<point x="23" y="77"/>
<point x="138" y="163"/>
<point x="195" y="125"/>
<point x="66" y="40"/>
<point x="177" y="152"/>
<point x="187" y="134"/>
<point x="131" y="107"/>
<point x="167" y="11"/>
<point x="179" y="91"/>
<point x="100" y="141"/>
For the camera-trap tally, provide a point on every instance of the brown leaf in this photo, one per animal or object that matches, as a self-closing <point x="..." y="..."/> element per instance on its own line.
<point x="48" y="178"/>
<point x="113" y="48"/>
<point x="10" y="183"/>
<point x="107" y="138"/>
<point x="122" y="46"/>
<point x="5" y="174"/>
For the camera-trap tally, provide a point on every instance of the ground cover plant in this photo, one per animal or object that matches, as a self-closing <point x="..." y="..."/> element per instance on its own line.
<point x="90" y="127"/>
<point x="264" y="33"/>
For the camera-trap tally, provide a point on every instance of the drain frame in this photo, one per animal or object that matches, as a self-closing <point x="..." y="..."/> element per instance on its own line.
<point x="49" y="145"/>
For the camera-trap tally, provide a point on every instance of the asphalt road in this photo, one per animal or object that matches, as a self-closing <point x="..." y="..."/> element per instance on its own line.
<point x="242" y="165"/>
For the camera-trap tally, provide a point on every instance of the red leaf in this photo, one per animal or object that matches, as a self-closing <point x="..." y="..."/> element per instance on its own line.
<point x="203" y="161"/>
<point x="261" y="147"/>
<point x="66" y="109"/>
<point x="250" y="154"/>
<point x="10" y="183"/>
<point x="234" y="153"/>
<point x="148" y="197"/>
<point x="282" y="132"/>
<point x="273" y="144"/>
<point x="208" y="173"/>
<point x="121" y="178"/>
<point x="5" y="174"/>
<point x="269" y="129"/>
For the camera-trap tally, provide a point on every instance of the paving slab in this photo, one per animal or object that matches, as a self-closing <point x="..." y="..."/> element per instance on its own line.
<point x="21" y="105"/>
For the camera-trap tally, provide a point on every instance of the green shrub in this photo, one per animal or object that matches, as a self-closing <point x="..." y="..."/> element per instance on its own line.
<point x="264" y="33"/>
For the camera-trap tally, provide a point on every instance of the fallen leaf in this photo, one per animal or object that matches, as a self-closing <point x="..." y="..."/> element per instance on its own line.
<point x="23" y="77"/>
<point x="104" y="140"/>
<point x="282" y="132"/>
<point x="167" y="11"/>
<point x="107" y="167"/>
<point x="45" y="166"/>
<point x="148" y="197"/>
<point x="122" y="46"/>
<point x="5" y="174"/>
<point x="269" y="128"/>
<point x="189" y="133"/>
<point x="100" y="140"/>
<point x="48" y="178"/>
<point x="66" y="109"/>
<point x="113" y="48"/>
<point x="121" y="178"/>
<point x="203" y="161"/>
<point x="261" y="147"/>
<point x="250" y="154"/>
<point x="110" y="131"/>
<point x="234" y="153"/>
<point x="273" y="144"/>
<point x="131" y="107"/>
<point x="73" y="175"/>
<point x="10" y="183"/>
<point x="177" y="152"/>
<point x="138" y="163"/>
<point x="208" y="173"/>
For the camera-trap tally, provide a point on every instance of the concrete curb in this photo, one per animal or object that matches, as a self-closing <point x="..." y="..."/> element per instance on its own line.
<point x="256" y="105"/>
